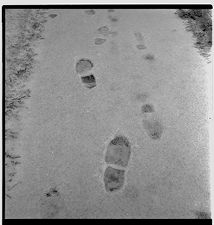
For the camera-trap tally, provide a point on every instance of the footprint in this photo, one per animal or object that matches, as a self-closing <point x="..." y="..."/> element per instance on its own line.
<point x="103" y="30"/>
<point x="118" y="151"/>
<point x="138" y="36"/>
<point x="140" y="41"/>
<point x="99" y="41"/>
<point x="52" y="15"/>
<point x="149" y="57"/>
<point x="120" y="141"/>
<point x="153" y="128"/>
<point x="113" y="19"/>
<point x="140" y="46"/>
<point x="147" y="108"/>
<point x="114" y="179"/>
<point x="89" y="81"/>
<point x="90" y="12"/>
<point x="83" y="65"/>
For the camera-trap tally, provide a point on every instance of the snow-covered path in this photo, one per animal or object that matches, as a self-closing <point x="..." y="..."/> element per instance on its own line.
<point x="68" y="125"/>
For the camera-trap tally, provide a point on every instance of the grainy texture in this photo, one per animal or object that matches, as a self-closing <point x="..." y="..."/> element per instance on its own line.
<point x="199" y="22"/>
<point x="120" y="141"/>
<point x="147" y="108"/>
<point x="23" y="29"/>
<point x="67" y="125"/>
<point x="113" y="179"/>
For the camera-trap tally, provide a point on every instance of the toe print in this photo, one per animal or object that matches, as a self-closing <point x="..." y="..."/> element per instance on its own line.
<point x="147" y="108"/>
<point x="103" y="30"/>
<point x="99" y="41"/>
<point x="118" y="152"/>
<point x="52" y="15"/>
<point x="121" y="141"/>
<point x="84" y="65"/>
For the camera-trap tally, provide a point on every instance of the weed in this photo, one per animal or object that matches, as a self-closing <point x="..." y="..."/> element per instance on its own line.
<point x="199" y="22"/>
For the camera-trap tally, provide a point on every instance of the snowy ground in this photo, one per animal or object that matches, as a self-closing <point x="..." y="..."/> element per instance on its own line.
<point x="63" y="126"/>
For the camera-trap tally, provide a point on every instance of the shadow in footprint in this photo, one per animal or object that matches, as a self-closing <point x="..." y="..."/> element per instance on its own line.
<point x="99" y="41"/>
<point x="140" y="46"/>
<point x="138" y="36"/>
<point x="113" y="19"/>
<point x="149" y="57"/>
<point x="120" y="140"/>
<point x="147" y="108"/>
<point x="114" y="179"/>
<point x="118" y="151"/>
<point x="53" y="15"/>
<point x="89" y="81"/>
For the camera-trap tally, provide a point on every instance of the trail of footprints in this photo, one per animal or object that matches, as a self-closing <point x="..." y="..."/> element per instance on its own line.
<point x="140" y="45"/>
<point x="84" y="66"/>
<point x="104" y="32"/>
<point x="118" y="151"/>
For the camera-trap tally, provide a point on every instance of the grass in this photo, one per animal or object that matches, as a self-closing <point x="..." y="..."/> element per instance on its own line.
<point x="24" y="27"/>
<point x="199" y="22"/>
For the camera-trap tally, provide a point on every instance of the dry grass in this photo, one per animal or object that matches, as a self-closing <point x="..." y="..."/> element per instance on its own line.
<point x="23" y="28"/>
<point x="199" y="22"/>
